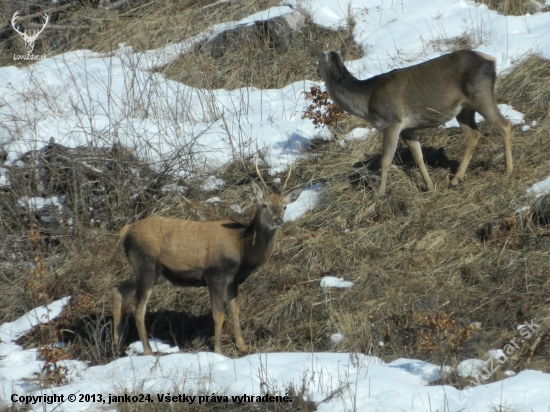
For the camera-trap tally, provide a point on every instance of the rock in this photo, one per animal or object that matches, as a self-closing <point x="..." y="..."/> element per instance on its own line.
<point x="541" y="211"/>
<point x="279" y="31"/>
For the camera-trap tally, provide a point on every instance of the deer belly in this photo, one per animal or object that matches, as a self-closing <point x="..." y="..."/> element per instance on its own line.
<point x="432" y="117"/>
<point x="185" y="277"/>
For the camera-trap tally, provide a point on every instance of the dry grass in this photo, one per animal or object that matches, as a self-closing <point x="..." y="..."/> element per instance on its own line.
<point x="527" y="88"/>
<point x="512" y="7"/>
<point x="414" y="256"/>
<point x="145" y="25"/>
<point x="256" y="63"/>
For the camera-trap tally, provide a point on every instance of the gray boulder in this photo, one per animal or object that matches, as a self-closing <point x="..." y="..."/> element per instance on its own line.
<point x="278" y="31"/>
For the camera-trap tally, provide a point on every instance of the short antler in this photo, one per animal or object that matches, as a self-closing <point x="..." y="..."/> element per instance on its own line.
<point x="46" y="20"/>
<point x="346" y="44"/>
<point x="287" y="177"/>
<point x="259" y="174"/>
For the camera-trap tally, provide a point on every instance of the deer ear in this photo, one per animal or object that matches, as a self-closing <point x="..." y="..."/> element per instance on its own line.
<point x="314" y="50"/>
<point x="346" y="44"/>
<point x="256" y="190"/>
<point x="293" y="195"/>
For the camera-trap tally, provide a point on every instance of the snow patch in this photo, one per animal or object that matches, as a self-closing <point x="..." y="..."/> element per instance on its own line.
<point x="212" y="183"/>
<point x="334" y="282"/>
<point x="309" y="199"/>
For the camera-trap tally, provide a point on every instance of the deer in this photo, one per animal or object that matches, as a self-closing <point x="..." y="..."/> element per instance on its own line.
<point x="29" y="39"/>
<point x="428" y="94"/>
<point x="218" y="254"/>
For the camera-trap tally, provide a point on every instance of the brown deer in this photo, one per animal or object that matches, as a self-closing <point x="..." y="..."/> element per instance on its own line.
<point x="397" y="103"/>
<point x="219" y="254"/>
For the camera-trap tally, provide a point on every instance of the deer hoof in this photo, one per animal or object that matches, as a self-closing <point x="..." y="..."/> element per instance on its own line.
<point x="242" y="348"/>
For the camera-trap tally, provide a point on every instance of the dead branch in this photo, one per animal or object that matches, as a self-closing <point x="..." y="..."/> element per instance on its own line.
<point x="55" y="26"/>
<point x="41" y="13"/>
<point x="110" y="6"/>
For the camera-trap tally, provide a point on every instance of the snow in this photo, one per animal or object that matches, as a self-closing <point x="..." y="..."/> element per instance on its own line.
<point x="236" y="209"/>
<point x="17" y="364"/>
<point x="11" y="331"/>
<point x="82" y="97"/>
<point x="470" y="367"/>
<point x="309" y="198"/>
<point x="334" y="282"/>
<point x="4" y="176"/>
<point x="395" y="34"/>
<point x="540" y="188"/>
<point x="360" y="133"/>
<point x="212" y="183"/>
<point x="136" y="348"/>
<point x="39" y="203"/>
<point x="336" y="338"/>
<point x="215" y="199"/>
<point x="496" y="354"/>
<point x="335" y="381"/>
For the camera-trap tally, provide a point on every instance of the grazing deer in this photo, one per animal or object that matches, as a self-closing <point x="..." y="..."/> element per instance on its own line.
<point x="396" y="103"/>
<point x="219" y="254"/>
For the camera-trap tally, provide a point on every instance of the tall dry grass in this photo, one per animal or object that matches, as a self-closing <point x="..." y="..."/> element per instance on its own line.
<point x="513" y="7"/>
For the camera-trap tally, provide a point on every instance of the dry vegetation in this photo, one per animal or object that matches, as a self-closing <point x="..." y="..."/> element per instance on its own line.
<point x="422" y="275"/>
<point x="513" y="7"/>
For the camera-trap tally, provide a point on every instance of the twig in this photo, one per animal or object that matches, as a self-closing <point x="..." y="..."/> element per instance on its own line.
<point x="114" y="5"/>
<point x="55" y="26"/>
<point x="37" y="14"/>
<point x="41" y="13"/>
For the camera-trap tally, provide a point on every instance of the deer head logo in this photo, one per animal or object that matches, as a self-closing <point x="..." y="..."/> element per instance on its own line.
<point x="29" y="39"/>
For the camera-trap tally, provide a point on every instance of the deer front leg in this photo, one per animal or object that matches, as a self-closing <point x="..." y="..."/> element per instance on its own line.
<point x="217" y="286"/>
<point x="414" y="146"/>
<point x="232" y="297"/>
<point x="389" y="144"/>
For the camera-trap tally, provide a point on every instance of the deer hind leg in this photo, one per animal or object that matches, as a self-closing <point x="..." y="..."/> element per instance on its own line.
<point x="121" y="294"/>
<point x="389" y="145"/>
<point x="234" y="307"/>
<point x="141" y="299"/>
<point x="466" y="119"/>
<point x="414" y="146"/>
<point x="146" y="276"/>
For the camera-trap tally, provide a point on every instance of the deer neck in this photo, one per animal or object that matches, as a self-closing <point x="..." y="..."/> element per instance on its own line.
<point x="349" y="93"/>
<point x="260" y="241"/>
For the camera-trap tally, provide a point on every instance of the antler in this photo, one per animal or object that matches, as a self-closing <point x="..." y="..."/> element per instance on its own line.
<point x="259" y="174"/>
<point x="14" y="27"/>
<point x="287" y="177"/>
<point x="36" y="33"/>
